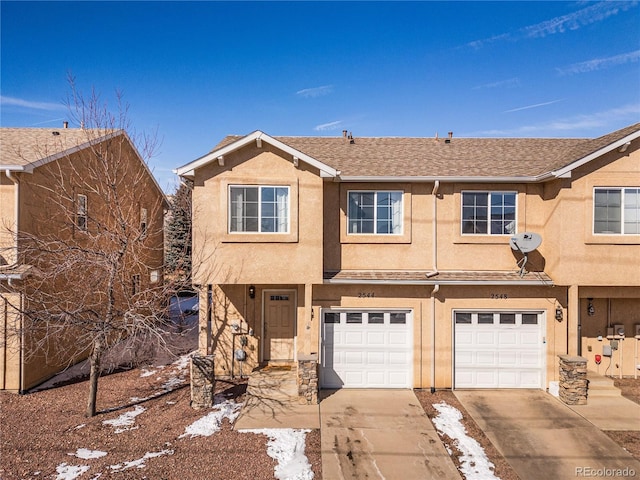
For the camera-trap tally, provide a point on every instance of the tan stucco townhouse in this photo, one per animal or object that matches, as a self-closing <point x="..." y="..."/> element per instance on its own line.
<point x="34" y="165"/>
<point x="419" y="262"/>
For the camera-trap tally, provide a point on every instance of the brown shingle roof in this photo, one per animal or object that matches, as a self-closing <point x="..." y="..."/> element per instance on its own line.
<point x="468" y="157"/>
<point x="443" y="277"/>
<point x="24" y="146"/>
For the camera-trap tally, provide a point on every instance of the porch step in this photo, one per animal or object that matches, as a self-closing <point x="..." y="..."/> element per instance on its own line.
<point x="601" y="386"/>
<point x="274" y="383"/>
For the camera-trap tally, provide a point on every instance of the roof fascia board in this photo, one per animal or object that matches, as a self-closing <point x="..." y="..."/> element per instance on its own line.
<point x="564" y="171"/>
<point x="438" y="282"/>
<point x="13" y="168"/>
<point x="188" y="170"/>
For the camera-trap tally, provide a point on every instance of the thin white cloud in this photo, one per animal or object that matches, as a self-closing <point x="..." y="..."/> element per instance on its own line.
<point x="604" y="121"/>
<point x="20" y="102"/>
<point x="580" y="18"/>
<point x="536" y="105"/>
<point x="315" y="91"/>
<point x="328" y="126"/>
<point x="511" y="82"/>
<point x="572" y="21"/>
<point x="600" y="63"/>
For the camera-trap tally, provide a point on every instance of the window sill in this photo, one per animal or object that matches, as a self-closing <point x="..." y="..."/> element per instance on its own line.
<point x="612" y="240"/>
<point x="260" y="238"/>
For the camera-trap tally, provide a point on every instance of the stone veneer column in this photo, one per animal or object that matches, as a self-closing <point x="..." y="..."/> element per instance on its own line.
<point x="308" y="379"/>
<point x="202" y="381"/>
<point x="573" y="380"/>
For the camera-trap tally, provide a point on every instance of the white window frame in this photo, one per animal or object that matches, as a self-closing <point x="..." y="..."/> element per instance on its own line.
<point x="489" y="194"/>
<point x="260" y="190"/>
<point x="375" y="213"/>
<point x="622" y="191"/>
<point x="82" y="207"/>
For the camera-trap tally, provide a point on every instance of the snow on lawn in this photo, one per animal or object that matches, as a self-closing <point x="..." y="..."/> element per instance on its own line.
<point x="211" y="423"/>
<point x="125" y="421"/>
<point x="286" y="446"/>
<point x="140" y="463"/>
<point x="87" y="454"/>
<point x="474" y="463"/>
<point x="70" y="472"/>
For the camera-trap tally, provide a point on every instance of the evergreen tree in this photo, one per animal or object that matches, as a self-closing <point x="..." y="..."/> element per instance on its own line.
<point x="178" y="236"/>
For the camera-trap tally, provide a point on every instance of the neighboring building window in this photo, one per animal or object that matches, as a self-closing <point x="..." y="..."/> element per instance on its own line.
<point x="135" y="284"/>
<point x="259" y="209"/>
<point x="81" y="212"/>
<point x="154" y="276"/>
<point x="143" y="221"/>
<point x="616" y="211"/>
<point x="375" y="212"/>
<point x="489" y="213"/>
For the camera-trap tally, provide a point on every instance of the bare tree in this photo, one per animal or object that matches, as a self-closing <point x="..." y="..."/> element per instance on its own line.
<point x="96" y="251"/>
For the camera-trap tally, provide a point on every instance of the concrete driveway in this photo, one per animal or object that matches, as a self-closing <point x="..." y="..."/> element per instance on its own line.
<point x="380" y="434"/>
<point x="541" y="437"/>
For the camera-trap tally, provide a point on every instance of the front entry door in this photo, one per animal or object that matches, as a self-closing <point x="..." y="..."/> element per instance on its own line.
<point x="279" y="324"/>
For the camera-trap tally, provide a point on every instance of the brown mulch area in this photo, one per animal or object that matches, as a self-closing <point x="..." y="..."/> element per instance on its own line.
<point x="502" y="469"/>
<point x="41" y="430"/>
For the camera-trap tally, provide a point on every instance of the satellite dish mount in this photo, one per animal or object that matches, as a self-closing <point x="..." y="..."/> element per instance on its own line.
<point x="524" y="243"/>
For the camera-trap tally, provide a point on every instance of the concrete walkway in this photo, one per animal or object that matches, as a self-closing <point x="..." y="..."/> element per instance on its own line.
<point x="541" y="437"/>
<point x="380" y="434"/>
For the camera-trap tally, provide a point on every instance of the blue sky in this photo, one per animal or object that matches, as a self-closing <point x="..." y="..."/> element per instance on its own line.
<point x="193" y="72"/>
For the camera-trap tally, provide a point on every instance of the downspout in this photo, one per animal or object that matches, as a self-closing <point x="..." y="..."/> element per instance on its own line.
<point x="14" y="179"/>
<point x="436" y="289"/>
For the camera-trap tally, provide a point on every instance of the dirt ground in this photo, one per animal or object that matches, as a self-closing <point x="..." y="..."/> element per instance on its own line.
<point x="41" y="432"/>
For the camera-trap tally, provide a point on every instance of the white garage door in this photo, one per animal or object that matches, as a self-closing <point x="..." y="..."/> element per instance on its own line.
<point x="366" y="349"/>
<point x="499" y="350"/>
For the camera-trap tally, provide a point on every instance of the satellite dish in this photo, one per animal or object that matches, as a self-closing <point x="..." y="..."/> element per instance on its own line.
<point x="525" y="242"/>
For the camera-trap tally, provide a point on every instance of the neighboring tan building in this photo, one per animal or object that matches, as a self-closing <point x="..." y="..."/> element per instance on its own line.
<point x="400" y="262"/>
<point x="49" y="193"/>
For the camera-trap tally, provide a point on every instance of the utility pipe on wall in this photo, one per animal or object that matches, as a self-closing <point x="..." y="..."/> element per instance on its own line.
<point x="436" y="289"/>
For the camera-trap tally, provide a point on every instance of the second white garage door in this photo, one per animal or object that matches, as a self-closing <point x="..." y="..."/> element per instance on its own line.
<point x="499" y="349"/>
<point x="366" y="349"/>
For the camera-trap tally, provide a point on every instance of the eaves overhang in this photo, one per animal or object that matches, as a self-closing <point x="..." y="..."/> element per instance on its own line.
<point x="188" y="170"/>
<point x="443" y="277"/>
<point x="433" y="178"/>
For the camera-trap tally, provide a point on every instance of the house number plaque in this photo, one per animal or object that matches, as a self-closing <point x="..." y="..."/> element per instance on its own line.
<point x="366" y="295"/>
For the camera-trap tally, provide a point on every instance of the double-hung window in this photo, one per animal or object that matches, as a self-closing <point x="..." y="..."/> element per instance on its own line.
<point x="616" y="211"/>
<point x="259" y="209"/>
<point x="489" y="213"/>
<point x="81" y="212"/>
<point x="375" y="212"/>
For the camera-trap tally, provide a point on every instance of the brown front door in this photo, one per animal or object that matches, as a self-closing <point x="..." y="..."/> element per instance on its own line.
<point x="279" y="324"/>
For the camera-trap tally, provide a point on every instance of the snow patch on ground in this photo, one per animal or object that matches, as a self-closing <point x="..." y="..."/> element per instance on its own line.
<point x="70" y="472"/>
<point x="211" y="423"/>
<point x="87" y="454"/>
<point x="125" y="421"/>
<point x="474" y="462"/>
<point x="286" y="446"/>
<point x="139" y="463"/>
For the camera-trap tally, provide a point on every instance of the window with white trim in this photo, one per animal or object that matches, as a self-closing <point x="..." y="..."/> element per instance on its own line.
<point x="258" y="209"/>
<point x="616" y="211"/>
<point x="81" y="211"/>
<point x="374" y="212"/>
<point x="488" y="213"/>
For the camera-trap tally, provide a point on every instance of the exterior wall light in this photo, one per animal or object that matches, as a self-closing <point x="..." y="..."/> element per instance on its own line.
<point x="252" y="291"/>
<point x="559" y="313"/>
<point x="591" y="311"/>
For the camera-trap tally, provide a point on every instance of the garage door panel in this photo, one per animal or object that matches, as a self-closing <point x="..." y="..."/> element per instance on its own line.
<point x="372" y="353"/>
<point x="499" y="355"/>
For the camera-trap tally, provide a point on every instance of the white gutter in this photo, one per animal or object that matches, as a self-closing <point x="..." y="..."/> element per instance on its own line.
<point x="429" y="179"/>
<point x="436" y="289"/>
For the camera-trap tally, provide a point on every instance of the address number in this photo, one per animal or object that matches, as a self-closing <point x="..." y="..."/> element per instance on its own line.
<point x="366" y="295"/>
<point x="503" y="296"/>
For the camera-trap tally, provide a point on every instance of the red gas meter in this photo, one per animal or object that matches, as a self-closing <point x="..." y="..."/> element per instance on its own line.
<point x="598" y="359"/>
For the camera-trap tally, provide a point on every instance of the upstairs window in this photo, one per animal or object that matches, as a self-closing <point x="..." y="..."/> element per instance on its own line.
<point x="143" y="221"/>
<point x="258" y="209"/>
<point x="488" y="213"/>
<point x="81" y="212"/>
<point x="375" y="212"/>
<point x="616" y="211"/>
